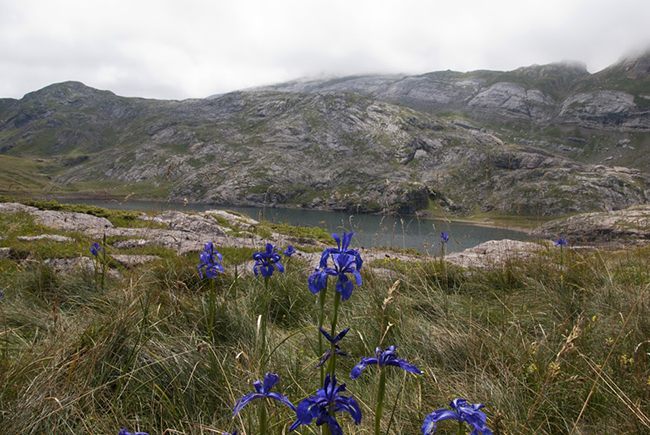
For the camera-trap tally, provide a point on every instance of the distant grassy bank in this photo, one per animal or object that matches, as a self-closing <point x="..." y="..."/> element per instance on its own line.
<point x="554" y="345"/>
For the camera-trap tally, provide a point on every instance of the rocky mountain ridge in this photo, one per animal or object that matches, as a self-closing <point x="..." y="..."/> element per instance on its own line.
<point x="327" y="146"/>
<point x="563" y="93"/>
<point x="594" y="118"/>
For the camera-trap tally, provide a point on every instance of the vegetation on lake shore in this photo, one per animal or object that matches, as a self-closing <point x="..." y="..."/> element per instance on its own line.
<point x="558" y="344"/>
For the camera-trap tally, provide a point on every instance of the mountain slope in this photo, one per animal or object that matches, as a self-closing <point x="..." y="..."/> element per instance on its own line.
<point x="594" y="118"/>
<point x="318" y="150"/>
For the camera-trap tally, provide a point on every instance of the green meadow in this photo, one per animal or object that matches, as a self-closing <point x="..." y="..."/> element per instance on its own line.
<point x="555" y="345"/>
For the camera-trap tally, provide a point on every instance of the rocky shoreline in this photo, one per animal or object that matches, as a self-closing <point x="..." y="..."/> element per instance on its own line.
<point x="184" y="233"/>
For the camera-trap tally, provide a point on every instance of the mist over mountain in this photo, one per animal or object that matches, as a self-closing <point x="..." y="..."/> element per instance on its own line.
<point x="542" y="139"/>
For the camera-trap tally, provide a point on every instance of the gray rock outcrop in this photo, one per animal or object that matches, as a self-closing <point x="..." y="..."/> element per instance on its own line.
<point x="631" y="225"/>
<point x="70" y="221"/>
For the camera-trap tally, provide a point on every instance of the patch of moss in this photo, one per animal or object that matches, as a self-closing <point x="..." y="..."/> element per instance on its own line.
<point x="119" y="218"/>
<point x="317" y="233"/>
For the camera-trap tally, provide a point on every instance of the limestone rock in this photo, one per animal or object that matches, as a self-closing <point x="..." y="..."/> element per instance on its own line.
<point x="628" y="225"/>
<point x="133" y="260"/>
<point x="240" y="221"/>
<point x="10" y="207"/>
<point x="67" y="266"/>
<point x="53" y="237"/>
<point x="494" y="253"/>
<point x="70" y="221"/>
<point x="189" y="222"/>
<point x="515" y="101"/>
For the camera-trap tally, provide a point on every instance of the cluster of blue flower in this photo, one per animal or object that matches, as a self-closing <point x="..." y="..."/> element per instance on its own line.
<point x="341" y="263"/>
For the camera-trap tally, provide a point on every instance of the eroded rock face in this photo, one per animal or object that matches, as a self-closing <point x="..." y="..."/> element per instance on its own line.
<point x="200" y="223"/>
<point x="515" y="101"/>
<point x="631" y="225"/>
<point x="604" y="109"/>
<point x="495" y="253"/>
<point x="328" y="148"/>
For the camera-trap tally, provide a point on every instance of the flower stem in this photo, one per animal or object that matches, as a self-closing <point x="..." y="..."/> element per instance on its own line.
<point x="103" y="260"/>
<point x="236" y="282"/>
<point x="321" y="319"/>
<point x="381" y="391"/>
<point x="335" y="317"/>
<point x="460" y="428"/>
<point x="265" y="314"/>
<point x="263" y="419"/>
<point x="211" y="311"/>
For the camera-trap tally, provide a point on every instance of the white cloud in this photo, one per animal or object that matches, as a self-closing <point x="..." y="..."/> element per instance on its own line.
<point x="172" y="49"/>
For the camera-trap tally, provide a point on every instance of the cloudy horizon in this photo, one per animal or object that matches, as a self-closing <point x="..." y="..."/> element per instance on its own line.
<point x="167" y="50"/>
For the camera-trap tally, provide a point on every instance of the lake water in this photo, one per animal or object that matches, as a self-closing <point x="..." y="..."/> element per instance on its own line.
<point x="370" y="230"/>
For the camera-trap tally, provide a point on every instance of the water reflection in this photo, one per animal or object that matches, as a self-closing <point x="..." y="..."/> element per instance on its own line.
<point x="370" y="230"/>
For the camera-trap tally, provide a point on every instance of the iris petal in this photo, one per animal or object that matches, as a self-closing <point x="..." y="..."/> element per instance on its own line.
<point x="356" y="371"/>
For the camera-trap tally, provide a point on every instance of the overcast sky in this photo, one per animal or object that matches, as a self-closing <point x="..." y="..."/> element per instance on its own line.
<point x="173" y="49"/>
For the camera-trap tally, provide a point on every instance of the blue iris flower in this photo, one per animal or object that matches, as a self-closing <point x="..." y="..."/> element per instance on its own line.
<point x="444" y="237"/>
<point x="345" y="261"/>
<point x="317" y="281"/>
<point x="462" y="411"/>
<point x="95" y="248"/>
<point x="290" y="251"/>
<point x="561" y="242"/>
<point x="343" y="248"/>
<point x="262" y="392"/>
<point x="334" y="341"/>
<point x="383" y="358"/>
<point x="267" y="261"/>
<point x="210" y="259"/>
<point x="124" y="432"/>
<point x="323" y="405"/>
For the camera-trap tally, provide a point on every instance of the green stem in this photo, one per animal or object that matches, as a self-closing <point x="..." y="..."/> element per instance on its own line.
<point x="103" y="260"/>
<point x="236" y="281"/>
<point x="263" y="323"/>
<point x="460" y="428"/>
<point x="263" y="419"/>
<point x="96" y="270"/>
<point x="335" y="317"/>
<point x="321" y="319"/>
<point x="211" y="309"/>
<point x="381" y="391"/>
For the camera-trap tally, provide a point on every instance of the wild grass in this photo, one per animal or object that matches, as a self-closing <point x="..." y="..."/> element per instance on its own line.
<point x="553" y="345"/>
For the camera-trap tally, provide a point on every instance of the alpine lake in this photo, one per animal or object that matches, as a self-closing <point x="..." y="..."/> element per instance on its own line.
<point x="370" y="231"/>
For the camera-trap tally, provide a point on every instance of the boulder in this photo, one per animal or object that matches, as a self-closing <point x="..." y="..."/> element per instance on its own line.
<point x="71" y="221"/>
